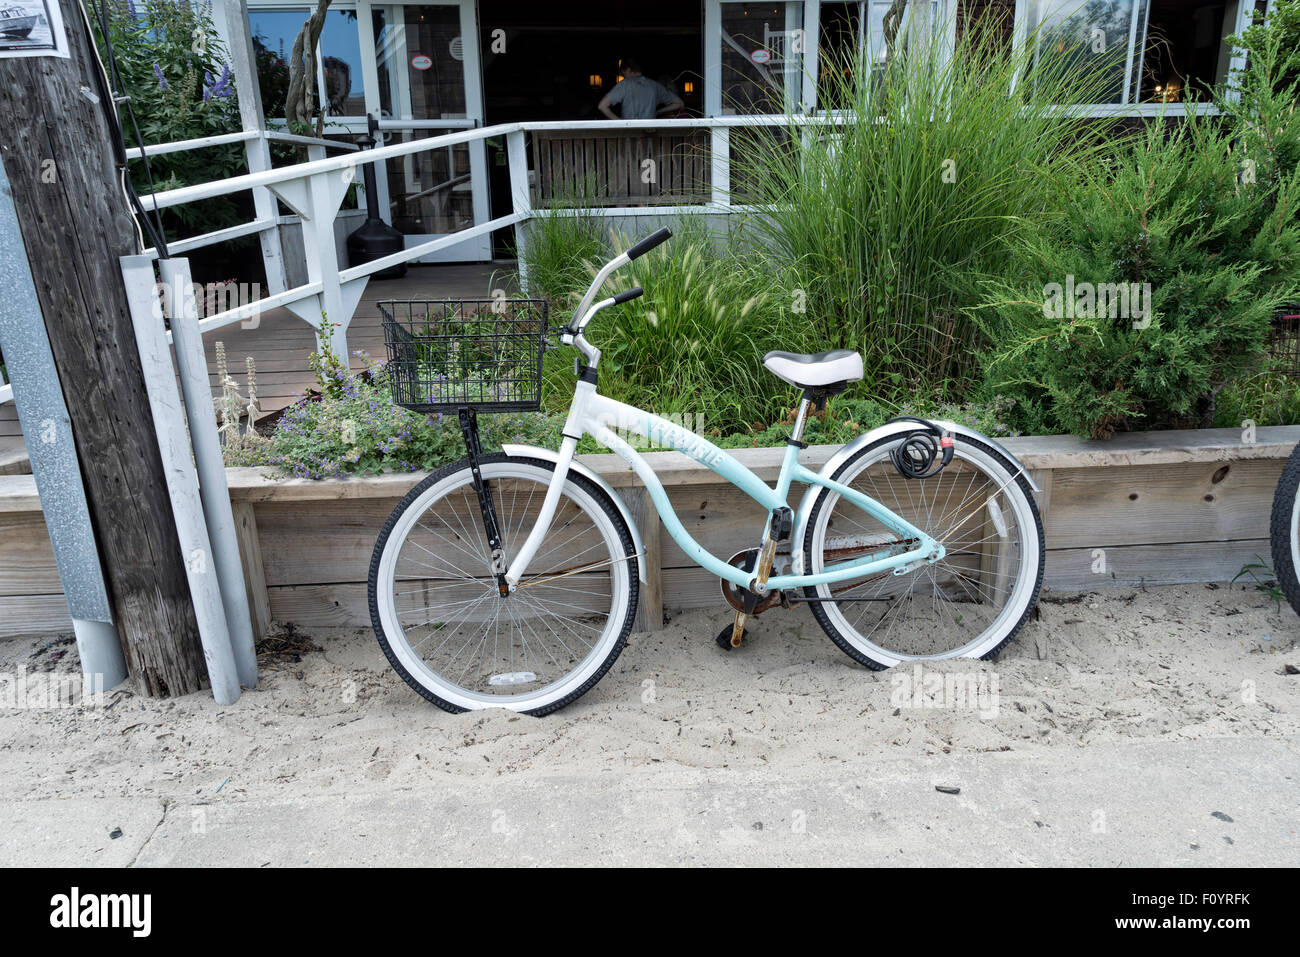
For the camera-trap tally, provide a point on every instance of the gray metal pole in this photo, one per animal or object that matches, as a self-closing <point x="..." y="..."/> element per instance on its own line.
<point x="182" y="481"/>
<point x="181" y="308"/>
<point x="47" y="430"/>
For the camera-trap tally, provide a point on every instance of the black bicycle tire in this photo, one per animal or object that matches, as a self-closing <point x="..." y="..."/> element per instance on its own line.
<point x="1279" y="530"/>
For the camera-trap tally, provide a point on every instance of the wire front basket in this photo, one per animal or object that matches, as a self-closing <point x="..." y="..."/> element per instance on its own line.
<point x="446" y="354"/>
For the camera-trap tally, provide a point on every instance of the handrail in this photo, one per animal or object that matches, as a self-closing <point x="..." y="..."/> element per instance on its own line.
<point x="222" y="139"/>
<point x="190" y="194"/>
<point x="333" y="164"/>
<point x="297" y="140"/>
<point x="179" y="146"/>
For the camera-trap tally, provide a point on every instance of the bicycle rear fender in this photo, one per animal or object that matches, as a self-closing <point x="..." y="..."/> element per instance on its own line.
<point x="533" y="452"/>
<point x="804" y="511"/>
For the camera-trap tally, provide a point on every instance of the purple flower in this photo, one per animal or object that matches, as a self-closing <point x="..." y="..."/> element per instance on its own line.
<point x="162" y="80"/>
<point x="130" y="9"/>
<point x="220" y="87"/>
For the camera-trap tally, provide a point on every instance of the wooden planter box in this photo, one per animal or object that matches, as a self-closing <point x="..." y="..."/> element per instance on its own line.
<point x="1165" y="507"/>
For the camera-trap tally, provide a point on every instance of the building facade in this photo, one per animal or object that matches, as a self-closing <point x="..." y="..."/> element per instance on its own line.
<point x="428" y="68"/>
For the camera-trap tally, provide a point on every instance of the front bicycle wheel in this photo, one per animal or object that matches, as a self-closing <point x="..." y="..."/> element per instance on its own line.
<point x="967" y="605"/>
<point x="436" y="608"/>
<point x="1284" y="530"/>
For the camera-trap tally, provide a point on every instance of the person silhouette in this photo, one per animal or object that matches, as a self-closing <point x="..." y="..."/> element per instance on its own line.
<point x="638" y="96"/>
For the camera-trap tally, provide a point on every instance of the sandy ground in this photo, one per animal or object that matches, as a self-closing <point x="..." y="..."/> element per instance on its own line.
<point x="1100" y="684"/>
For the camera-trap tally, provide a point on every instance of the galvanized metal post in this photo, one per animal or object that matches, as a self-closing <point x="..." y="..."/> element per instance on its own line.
<point x="47" y="430"/>
<point x="182" y="310"/>
<point x="182" y="482"/>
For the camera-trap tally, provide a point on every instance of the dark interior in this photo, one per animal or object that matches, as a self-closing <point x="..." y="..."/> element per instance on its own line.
<point x="1182" y="50"/>
<point x="553" y="52"/>
<point x="556" y="52"/>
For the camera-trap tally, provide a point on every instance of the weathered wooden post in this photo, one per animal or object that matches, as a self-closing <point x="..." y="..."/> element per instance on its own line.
<point x="75" y="226"/>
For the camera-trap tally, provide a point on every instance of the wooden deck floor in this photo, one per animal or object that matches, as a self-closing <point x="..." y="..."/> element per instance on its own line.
<point x="281" y="342"/>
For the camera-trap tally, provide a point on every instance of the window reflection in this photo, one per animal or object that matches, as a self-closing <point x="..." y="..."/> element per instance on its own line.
<point x="339" y="57"/>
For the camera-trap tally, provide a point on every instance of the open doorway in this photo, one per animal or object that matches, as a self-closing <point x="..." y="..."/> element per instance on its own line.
<point x="560" y="59"/>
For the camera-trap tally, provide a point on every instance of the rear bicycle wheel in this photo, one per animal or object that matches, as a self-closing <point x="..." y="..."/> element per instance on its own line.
<point x="1284" y="530"/>
<point x="969" y="604"/>
<point x="448" y="632"/>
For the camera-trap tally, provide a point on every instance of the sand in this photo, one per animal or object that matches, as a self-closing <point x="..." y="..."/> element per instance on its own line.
<point x="1164" y="664"/>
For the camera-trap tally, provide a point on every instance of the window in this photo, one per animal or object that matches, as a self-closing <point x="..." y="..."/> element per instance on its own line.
<point x="338" y="59"/>
<point x="421" y="62"/>
<point x="1184" y="55"/>
<point x="762" y="57"/>
<point x="1104" y="33"/>
<point x="273" y="34"/>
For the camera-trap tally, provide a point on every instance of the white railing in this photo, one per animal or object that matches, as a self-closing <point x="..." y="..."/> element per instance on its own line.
<point x="314" y="190"/>
<point x="261" y="224"/>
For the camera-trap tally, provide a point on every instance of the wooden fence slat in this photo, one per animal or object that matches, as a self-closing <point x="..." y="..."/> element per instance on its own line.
<point x="1161" y="503"/>
<point x="250" y="553"/>
<point x="650" y="608"/>
<point x="28" y="566"/>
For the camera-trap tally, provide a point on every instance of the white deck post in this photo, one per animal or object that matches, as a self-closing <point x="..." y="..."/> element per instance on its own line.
<point x="233" y="17"/>
<point x="720" y="165"/>
<point x="521" y="198"/>
<point x="326" y="195"/>
<point x="316" y="198"/>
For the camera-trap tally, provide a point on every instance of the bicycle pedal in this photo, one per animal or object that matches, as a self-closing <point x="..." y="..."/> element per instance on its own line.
<point x="724" y="638"/>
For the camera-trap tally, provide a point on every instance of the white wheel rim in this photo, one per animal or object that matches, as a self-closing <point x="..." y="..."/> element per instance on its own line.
<point x="1295" y="536"/>
<point x="1016" y="602"/>
<point x="451" y="692"/>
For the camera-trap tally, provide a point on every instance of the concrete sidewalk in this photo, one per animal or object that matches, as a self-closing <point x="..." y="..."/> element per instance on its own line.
<point x="1210" y="802"/>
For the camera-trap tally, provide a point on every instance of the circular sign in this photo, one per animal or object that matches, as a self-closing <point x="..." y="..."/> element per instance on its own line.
<point x="421" y="62"/>
<point x="457" y="49"/>
<point x="761" y="56"/>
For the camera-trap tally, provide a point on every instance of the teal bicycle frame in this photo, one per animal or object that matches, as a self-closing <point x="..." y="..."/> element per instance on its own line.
<point x="604" y="418"/>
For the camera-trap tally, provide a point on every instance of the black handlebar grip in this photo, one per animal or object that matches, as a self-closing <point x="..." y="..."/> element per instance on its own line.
<point x="649" y="243"/>
<point x="631" y="294"/>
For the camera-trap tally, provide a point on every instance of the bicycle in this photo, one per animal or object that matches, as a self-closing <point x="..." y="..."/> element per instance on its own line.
<point x="511" y="579"/>
<point x="1284" y="530"/>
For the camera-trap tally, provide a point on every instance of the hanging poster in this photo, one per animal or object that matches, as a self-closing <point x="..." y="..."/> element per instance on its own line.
<point x="31" y="28"/>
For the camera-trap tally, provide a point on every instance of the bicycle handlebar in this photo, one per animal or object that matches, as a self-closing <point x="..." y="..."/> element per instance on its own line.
<point x="628" y="296"/>
<point x="650" y="242"/>
<point x="573" y="327"/>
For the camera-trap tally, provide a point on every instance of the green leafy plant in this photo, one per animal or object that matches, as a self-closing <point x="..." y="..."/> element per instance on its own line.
<point x="1281" y="30"/>
<point x="1157" y="286"/>
<point x="1269" y="395"/>
<point x="354" y="427"/>
<point x="170" y="58"/>
<point x="1265" y="579"/>
<point x="694" y="342"/>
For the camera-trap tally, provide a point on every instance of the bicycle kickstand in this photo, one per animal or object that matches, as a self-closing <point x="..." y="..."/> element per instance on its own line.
<point x="492" y="531"/>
